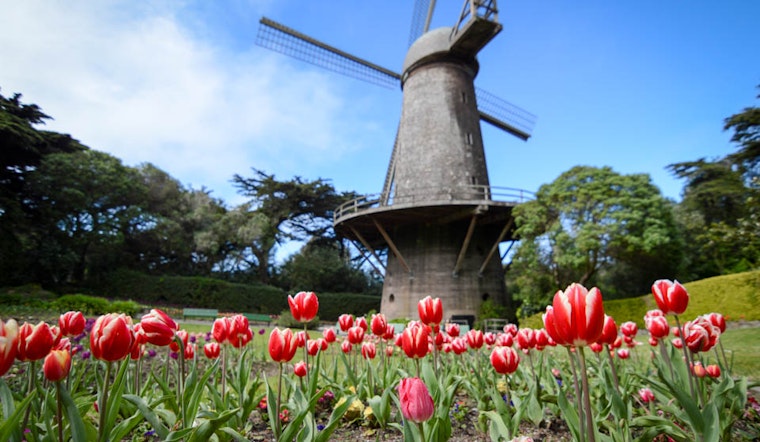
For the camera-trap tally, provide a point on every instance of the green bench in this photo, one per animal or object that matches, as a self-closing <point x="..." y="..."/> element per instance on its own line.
<point x="259" y="318"/>
<point x="199" y="313"/>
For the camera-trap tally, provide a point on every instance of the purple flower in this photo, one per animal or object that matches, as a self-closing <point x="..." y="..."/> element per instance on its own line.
<point x="193" y="338"/>
<point x="151" y="353"/>
<point x="262" y="331"/>
<point x="86" y="354"/>
<point x="174" y="355"/>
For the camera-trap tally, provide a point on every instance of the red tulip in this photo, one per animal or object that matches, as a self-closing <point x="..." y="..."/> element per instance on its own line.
<point x="240" y="331"/>
<point x="646" y="395"/>
<point x="475" y="339"/>
<point x="430" y="310"/>
<point x="657" y="325"/>
<point x="511" y="329"/>
<point x="34" y="342"/>
<point x="596" y="347"/>
<point x="671" y="296"/>
<point x="361" y="322"/>
<point x="489" y="338"/>
<point x="713" y="371"/>
<point x="629" y="329"/>
<point x="300" y="369"/>
<point x="505" y="340"/>
<point x="459" y="345"/>
<point x="189" y="351"/>
<point x="221" y="329"/>
<point x="609" y="331"/>
<point x="698" y="370"/>
<point x="369" y="350"/>
<point x="329" y="335"/>
<point x="677" y="343"/>
<point x="57" y="365"/>
<point x="302" y="337"/>
<point x="71" y="323"/>
<point x="212" y="350"/>
<point x="717" y="320"/>
<point x="282" y="345"/>
<point x="416" y="402"/>
<point x="312" y="347"/>
<point x="504" y="360"/>
<point x="183" y="336"/>
<point x="379" y="324"/>
<point x="526" y="338"/>
<point x="452" y="329"/>
<point x="390" y="332"/>
<point x="8" y="344"/>
<point x="345" y="322"/>
<point x="158" y="328"/>
<point x="111" y="337"/>
<point x="576" y="317"/>
<point x="303" y="306"/>
<point x="624" y="353"/>
<point x="414" y="340"/>
<point x="542" y="339"/>
<point x="345" y="346"/>
<point x="355" y="335"/>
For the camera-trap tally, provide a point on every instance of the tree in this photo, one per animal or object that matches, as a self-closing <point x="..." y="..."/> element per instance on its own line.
<point x="83" y="204"/>
<point x="746" y="127"/>
<point x="293" y="210"/>
<point x="588" y="220"/>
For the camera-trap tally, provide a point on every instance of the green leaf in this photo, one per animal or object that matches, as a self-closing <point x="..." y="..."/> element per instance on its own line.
<point x="148" y="414"/>
<point x="9" y="430"/>
<point x="76" y="424"/>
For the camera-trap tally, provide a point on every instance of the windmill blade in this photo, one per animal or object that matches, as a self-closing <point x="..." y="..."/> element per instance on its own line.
<point x="504" y="115"/>
<point x="280" y="38"/>
<point x="421" y="16"/>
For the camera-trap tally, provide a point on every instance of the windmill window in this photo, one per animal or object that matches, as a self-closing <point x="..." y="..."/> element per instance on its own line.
<point x="391" y="298"/>
<point x="468" y="138"/>
<point x="464" y="97"/>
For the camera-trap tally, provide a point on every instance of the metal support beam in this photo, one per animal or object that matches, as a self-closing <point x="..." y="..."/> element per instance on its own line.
<point x="465" y="244"/>
<point x="391" y="245"/>
<point x="495" y="246"/>
<point x="371" y="251"/>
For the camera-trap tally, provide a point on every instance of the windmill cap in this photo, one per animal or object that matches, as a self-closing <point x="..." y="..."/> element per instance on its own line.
<point x="432" y="46"/>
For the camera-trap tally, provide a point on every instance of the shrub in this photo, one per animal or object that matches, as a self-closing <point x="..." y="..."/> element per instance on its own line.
<point x="89" y="305"/>
<point x="130" y="308"/>
<point x="332" y="305"/>
<point x="286" y="320"/>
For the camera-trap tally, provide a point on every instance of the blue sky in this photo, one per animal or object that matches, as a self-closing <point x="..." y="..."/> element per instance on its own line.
<point x="631" y="85"/>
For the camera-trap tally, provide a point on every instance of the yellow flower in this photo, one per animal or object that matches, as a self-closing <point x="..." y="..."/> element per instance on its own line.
<point x="368" y="414"/>
<point x="355" y="410"/>
<point x="502" y="387"/>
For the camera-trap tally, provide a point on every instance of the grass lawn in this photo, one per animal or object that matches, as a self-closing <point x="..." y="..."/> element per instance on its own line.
<point x="743" y="345"/>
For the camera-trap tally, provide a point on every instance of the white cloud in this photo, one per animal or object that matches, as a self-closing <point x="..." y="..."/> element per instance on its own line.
<point x="130" y="80"/>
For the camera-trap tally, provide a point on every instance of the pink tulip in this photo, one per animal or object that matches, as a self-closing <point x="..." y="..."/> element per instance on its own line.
<point x="416" y="402"/>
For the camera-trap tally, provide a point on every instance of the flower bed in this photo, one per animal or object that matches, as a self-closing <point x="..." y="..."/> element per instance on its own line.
<point x="581" y="377"/>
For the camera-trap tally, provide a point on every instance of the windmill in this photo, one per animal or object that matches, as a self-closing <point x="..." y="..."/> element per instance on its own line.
<point x="438" y="220"/>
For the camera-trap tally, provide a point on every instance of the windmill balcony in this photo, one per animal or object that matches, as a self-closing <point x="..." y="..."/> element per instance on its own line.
<point x="471" y="195"/>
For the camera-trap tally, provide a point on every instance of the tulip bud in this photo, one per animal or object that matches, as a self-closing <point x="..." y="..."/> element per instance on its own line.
<point x="71" y="323"/>
<point x="646" y="395"/>
<point x="671" y="296"/>
<point x="57" y="365"/>
<point x="379" y="325"/>
<point x="452" y="329"/>
<point x="34" y="342"/>
<point x="345" y="322"/>
<point x="212" y="350"/>
<point x="329" y="335"/>
<point x="111" y="337"/>
<point x="282" y="345"/>
<point x="355" y="335"/>
<point x="158" y="328"/>
<point x="415" y="400"/>
<point x="303" y="306"/>
<point x="345" y="346"/>
<point x="369" y="350"/>
<point x="8" y="344"/>
<point x="713" y="371"/>
<point x="430" y="310"/>
<point x="475" y="339"/>
<point x="504" y="360"/>
<point x="300" y="369"/>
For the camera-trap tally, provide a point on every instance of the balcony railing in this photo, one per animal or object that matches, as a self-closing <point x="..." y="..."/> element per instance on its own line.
<point x="472" y="193"/>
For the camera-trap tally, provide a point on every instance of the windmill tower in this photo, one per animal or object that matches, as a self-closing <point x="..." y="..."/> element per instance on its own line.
<point x="438" y="221"/>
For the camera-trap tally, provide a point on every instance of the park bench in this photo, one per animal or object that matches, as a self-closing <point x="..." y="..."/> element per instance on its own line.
<point x="258" y="318"/>
<point x="199" y="313"/>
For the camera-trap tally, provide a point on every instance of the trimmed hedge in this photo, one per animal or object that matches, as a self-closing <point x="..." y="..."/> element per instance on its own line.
<point x="183" y="291"/>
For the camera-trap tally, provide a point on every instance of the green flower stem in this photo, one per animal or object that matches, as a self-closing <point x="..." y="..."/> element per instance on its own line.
<point x="103" y="404"/>
<point x="224" y="371"/>
<point x="181" y="382"/>
<point x="586" y="397"/>
<point x="277" y="422"/>
<point x="421" y="426"/>
<point x="686" y="358"/>
<point x="581" y="420"/>
<point x="613" y="369"/>
<point x="32" y="373"/>
<point x="666" y="357"/>
<point x="58" y="413"/>
<point x="306" y="351"/>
